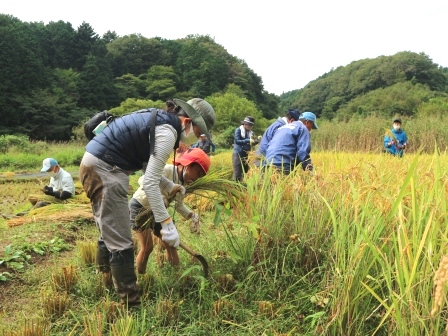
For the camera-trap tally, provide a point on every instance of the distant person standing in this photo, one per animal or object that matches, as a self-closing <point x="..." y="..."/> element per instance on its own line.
<point x="242" y="144"/>
<point x="291" y="145"/>
<point x="395" y="143"/>
<point x="203" y="143"/>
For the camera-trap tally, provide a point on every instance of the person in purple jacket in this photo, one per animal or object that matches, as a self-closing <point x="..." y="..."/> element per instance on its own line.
<point x="291" y="115"/>
<point x="291" y="145"/>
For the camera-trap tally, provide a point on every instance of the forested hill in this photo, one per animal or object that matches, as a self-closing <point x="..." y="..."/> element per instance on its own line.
<point x="52" y="76"/>
<point x="386" y="86"/>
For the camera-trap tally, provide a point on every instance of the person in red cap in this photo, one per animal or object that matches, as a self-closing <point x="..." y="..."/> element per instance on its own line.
<point x="192" y="165"/>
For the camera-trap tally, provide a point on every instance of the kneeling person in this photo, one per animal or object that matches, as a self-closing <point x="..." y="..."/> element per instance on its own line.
<point x="192" y="165"/>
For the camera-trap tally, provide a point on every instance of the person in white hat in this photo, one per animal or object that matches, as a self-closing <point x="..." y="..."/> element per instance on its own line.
<point x="203" y="143"/>
<point x="61" y="185"/>
<point x="61" y="182"/>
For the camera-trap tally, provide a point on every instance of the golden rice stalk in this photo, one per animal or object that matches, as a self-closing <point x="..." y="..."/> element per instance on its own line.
<point x="266" y="308"/>
<point x="55" y="304"/>
<point x="440" y="279"/>
<point x="64" y="280"/>
<point x="87" y="252"/>
<point x="61" y="213"/>
<point x="36" y="327"/>
<point x="222" y="308"/>
<point x="390" y="134"/>
<point x="215" y="185"/>
<point x="167" y="311"/>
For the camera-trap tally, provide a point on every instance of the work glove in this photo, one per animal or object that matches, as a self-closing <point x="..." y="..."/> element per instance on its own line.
<point x="178" y="192"/>
<point x="169" y="234"/>
<point x="195" y="224"/>
<point x="252" y="142"/>
<point x="48" y="191"/>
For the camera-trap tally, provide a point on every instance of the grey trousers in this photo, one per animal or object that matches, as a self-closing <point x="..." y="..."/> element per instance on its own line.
<point x="240" y="166"/>
<point x="107" y="188"/>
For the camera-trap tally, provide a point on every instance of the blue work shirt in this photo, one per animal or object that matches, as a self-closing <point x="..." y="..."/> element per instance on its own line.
<point x="400" y="140"/>
<point x="269" y="134"/>
<point x="290" y="145"/>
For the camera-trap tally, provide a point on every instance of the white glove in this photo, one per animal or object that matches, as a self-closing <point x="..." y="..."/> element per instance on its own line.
<point x="195" y="224"/>
<point x="169" y="234"/>
<point x="178" y="192"/>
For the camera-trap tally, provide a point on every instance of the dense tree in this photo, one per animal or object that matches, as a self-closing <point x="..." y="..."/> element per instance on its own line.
<point x="202" y="66"/>
<point x="135" y="54"/>
<point x="161" y="82"/>
<point x="84" y="41"/>
<point x="96" y="87"/>
<point x="59" y="43"/>
<point x="329" y="92"/>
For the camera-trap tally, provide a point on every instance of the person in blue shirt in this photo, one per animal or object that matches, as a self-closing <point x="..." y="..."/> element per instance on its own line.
<point x="242" y="145"/>
<point x="291" y="145"/>
<point x="291" y="115"/>
<point x="396" y="142"/>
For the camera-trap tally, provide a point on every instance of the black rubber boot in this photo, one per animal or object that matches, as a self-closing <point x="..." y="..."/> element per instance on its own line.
<point x="102" y="262"/>
<point x="123" y="275"/>
<point x="102" y="257"/>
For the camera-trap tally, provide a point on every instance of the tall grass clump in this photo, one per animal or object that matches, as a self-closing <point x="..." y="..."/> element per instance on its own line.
<point x="386" y="240"/>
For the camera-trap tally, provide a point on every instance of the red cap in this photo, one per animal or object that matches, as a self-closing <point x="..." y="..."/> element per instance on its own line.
<point x="195" y="155"/>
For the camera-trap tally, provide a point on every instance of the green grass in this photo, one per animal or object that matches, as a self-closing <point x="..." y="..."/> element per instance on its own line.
<point x="350" y="249"/>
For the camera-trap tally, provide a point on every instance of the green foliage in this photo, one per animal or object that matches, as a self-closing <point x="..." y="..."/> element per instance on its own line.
<point x="336" y="94"/>
<point x="8" y="141"/>
<point x="132" y="104"/>
<point x="14" y="259"/>
<point x="231" y="110"/>
<point x="54" y="245"/>
<point x="161" y="82"/>
<point x="401" y="98"/>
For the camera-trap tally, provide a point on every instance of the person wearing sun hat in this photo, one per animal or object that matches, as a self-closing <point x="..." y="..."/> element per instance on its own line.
<point x="242" y="145"/>
<point x="192" y="165"/>
<point x="291" y="145"/>
<point x="122" y="148"/>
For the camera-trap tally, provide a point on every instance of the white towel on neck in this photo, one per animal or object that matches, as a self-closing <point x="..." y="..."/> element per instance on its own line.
<point x="243" y="132"/>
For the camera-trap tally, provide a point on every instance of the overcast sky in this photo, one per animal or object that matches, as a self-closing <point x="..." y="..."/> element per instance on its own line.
<point x="286" y="43"/>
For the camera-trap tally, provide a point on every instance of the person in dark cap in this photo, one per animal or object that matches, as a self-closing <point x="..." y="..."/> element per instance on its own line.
<point x="290" y="116"/>
<point x="242" y="144"/>
<point x="395" y="141"/>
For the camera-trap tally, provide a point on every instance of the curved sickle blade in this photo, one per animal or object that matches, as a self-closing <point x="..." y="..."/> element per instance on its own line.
<point x="198" y="257"/>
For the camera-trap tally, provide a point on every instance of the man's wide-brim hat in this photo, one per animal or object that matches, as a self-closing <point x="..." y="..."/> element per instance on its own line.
<point x="249" y="120"/>
<point x="200" y="112"/>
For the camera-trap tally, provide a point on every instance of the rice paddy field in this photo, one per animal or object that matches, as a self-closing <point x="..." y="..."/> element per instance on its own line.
<point x="357" y="247"/>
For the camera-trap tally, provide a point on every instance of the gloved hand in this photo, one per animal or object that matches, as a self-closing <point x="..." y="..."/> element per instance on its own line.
<point x="195" y="224"/>
<point x="178" y="192"/>
<point x="169" y="234"/>
<point x="391" y="143"/>
<point x="48" y="191"/>
<point x="252" y="142"/>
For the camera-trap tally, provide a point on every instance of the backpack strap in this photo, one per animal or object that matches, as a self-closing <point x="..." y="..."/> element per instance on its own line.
<point x="152" y="131"/>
